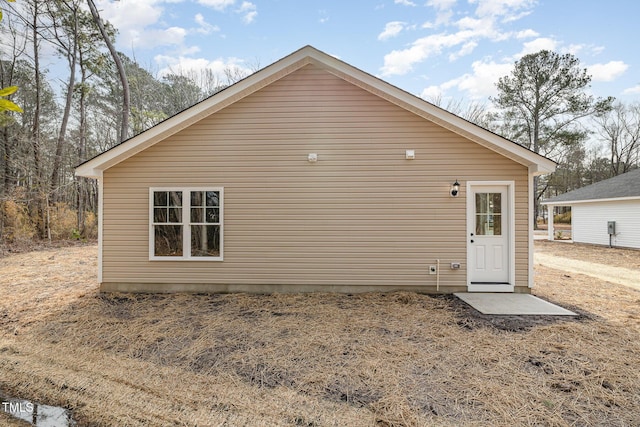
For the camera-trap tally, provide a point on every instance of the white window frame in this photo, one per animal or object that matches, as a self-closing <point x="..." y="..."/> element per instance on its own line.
<point x="186" y="224"/>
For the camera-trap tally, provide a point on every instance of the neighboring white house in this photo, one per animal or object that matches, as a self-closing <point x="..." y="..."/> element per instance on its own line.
<point x="604" y="213"/>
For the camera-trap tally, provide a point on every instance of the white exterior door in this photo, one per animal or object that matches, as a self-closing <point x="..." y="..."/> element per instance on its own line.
<point x="489" y="238"/>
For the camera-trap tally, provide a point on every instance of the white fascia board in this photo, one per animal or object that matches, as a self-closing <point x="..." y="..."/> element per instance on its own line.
<point x="543" y="168"/>
<point x="580" y="202"/>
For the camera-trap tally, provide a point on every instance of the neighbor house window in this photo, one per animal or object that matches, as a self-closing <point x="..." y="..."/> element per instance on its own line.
<point x="185" y="223"/>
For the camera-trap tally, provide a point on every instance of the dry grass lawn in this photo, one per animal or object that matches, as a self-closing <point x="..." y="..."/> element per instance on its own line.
<point x="397" y="359"/>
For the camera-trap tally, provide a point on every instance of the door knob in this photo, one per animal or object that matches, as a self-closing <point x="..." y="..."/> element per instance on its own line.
<point x="471" y="240"/>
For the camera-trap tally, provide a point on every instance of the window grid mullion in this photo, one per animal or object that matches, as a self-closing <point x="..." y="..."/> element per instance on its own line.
<point x="186" y="220"/>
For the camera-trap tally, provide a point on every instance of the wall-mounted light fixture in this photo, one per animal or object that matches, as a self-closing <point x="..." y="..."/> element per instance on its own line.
<point x="312" y="157"/>
<point x="455" y="189"/>
<point x="410" y="154"/>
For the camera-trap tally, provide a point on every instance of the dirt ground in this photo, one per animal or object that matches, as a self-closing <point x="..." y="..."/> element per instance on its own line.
<point x="616" y="257"/>
<point x="398" y="359"/>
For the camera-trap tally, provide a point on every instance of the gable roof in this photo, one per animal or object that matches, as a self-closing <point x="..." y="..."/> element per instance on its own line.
<point x="621" y="187"/>
<point x="536" y="163"/>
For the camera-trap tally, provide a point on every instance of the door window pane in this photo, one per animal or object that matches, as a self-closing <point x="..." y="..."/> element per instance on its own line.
<point x="488" y="214"/>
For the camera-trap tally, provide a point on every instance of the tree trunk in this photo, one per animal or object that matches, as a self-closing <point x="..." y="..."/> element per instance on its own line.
<point x="82" y="147"/>
<point x="6" y="153"/>
<point x="57" y="159"/>
<point x="35" y="131"/>
<point x="123" y="77"/>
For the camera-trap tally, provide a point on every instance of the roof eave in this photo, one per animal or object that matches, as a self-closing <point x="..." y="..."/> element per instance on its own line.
<point x="578" y="202"/>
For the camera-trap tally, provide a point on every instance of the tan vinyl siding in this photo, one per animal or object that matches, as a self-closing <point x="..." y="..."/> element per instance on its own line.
<point x="361" y="216"/>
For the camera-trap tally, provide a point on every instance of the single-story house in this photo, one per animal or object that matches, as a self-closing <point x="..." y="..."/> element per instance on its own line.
<point x="312" y="175"/>
<point x="604" y="213"/>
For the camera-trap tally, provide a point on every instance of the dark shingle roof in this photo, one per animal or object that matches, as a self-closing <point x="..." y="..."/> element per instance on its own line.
<point x="625" y="185"/>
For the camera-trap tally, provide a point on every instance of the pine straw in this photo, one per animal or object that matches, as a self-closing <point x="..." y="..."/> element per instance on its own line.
<point x="397" y="359"/>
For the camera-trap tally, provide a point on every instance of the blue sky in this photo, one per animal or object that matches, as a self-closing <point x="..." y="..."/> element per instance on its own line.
<point x="456" y="49"/>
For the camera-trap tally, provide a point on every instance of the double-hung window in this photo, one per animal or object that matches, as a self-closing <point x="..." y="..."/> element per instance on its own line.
<point x="185" y="224"/>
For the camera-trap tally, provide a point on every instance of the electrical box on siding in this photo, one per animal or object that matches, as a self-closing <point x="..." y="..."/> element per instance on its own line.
<point x="611" y="227"/>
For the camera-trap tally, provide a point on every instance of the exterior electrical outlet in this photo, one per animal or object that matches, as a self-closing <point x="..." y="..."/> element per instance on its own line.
<point x="455" y="265"/>
<point x="433" y="269"/>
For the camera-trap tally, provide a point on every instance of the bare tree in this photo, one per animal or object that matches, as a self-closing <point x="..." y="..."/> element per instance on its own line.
<point x="475" y="112"/>
<point x="65" y="34"/>
<point x="124" y="126"/>
<point x="17" y="46"/>
<point x="620" y="130"/>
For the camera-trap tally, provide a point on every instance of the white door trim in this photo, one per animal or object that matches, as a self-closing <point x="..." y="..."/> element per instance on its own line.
<point x="511" y="223"/>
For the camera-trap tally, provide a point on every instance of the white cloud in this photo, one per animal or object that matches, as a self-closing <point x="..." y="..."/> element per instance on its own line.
<point x="632" y="90"/>
<point x="482" y="82"/>
<point x="534" y="46"/>
<point x="181" y="64"/>
<point x="444" y="12"/>
<point x="441" y="4"/>
<point x="392" y="29"/>
<point x="204" y="26"/>
<point x="509" y="10"/>
<point x="482" y="27"/>
<point x="431" y="93"/>
<point x="200" y="20"/>
<point x="574" y="49"/>
<point x="465" y="50"/>
<point x="402" y="61"/>
<point x="249" y="12"/>
<point x="128" y="16"/>
<point x="219" y="5"/>
<point x="526" y="34"/>
<point x="324" y="16"/>
<point x="146" y="39"/>
<point x="442" y="18"/>
<point x="132" y="18"/>
<point x="484" y="24"/>
<point x="476" y="85"/>
<point x="405" y="2"/>
<point x="190" y="50"/>
<point x="596" y="50"/>
<point x="607" y="72"/>
<point x="588" y="49"/>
